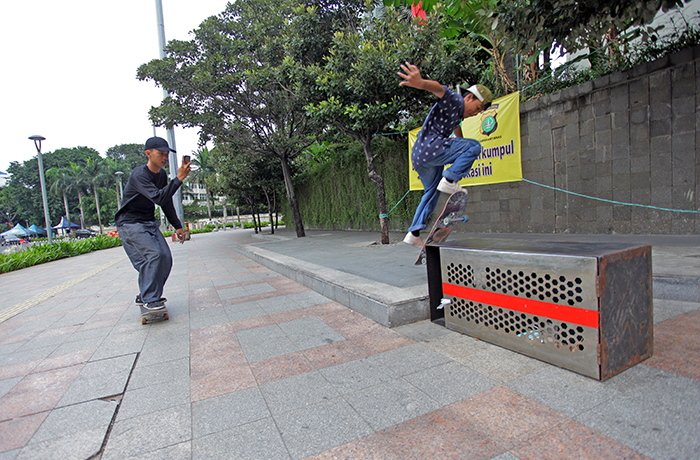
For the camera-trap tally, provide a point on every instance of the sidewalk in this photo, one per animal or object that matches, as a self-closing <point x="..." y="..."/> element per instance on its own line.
<point x="262" y="365"/>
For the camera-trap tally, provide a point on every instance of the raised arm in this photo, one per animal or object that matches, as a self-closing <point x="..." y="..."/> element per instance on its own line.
<point x="412" y="77"/>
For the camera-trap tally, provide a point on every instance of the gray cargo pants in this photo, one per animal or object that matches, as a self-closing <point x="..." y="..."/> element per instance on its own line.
<point x="150" y="255"/>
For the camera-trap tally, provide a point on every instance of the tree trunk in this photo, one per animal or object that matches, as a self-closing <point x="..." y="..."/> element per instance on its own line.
<point x="269" y="210"/>
<point x="381" y="194"/>
<point x="97" y="207"/>
<point x="291" y="196"/>
<point x="82" y="215"/>
<point x="65" y="204"/>
<point x="274" y="194"/>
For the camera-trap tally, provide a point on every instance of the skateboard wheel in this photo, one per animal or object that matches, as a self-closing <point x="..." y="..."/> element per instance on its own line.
<point x="166" y="316"/>
<point x="143" y="321"/>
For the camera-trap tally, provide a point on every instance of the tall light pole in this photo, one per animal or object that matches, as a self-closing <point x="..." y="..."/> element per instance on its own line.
<point x="177" y="197"/>
<point x="47" y="220"/>
<point x="121" y="190"/>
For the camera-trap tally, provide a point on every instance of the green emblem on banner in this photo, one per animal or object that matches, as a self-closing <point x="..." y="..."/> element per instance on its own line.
<point x="488" y="125"/>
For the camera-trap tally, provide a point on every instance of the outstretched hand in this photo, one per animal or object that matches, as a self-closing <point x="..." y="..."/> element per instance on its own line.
<point x="180" y="235"/>
<point x="411" y="76"/>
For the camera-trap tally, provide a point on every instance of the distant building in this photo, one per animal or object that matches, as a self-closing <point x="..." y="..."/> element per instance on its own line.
<point x="4" y="178"/>
<point x="193" y="190"/>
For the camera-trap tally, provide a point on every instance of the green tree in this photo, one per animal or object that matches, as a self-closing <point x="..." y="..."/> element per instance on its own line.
<point x="248" y="179"/>
<point x="77" y="184"/>
<point x="60" y="181"/>
<point x="96" y="175"/>
<point x="127" y="156"/>
<point x="111" y="167"/>
<point x="240" y="82"/>
<point x="360" y="86"/>
<point x="10" y="208"/>
<point x="25" y="182"/>
<point x="540" y="23"/>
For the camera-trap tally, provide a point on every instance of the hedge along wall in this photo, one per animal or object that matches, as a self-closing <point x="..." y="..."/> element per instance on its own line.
<point x="340" y="196"/>
<point x="627" y="137"/>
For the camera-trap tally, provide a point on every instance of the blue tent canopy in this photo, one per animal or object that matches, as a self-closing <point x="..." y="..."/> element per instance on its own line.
<point x="17" y="230"/>
<point x="35" y="230"/>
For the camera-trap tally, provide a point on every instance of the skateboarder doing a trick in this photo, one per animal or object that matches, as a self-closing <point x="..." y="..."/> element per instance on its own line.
<point x="434" y="147"/>
<point x="137" y="225"/>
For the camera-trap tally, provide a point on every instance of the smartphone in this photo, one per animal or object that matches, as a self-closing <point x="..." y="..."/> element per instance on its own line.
<point x="186" y="158"/>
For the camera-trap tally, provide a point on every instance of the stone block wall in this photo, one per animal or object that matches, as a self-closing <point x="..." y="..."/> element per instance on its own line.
<point x="628" y="137"/>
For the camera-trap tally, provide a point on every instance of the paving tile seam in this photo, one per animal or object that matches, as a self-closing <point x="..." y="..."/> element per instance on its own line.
<point x="37" y="299"/>
<point x="119" y="398"/>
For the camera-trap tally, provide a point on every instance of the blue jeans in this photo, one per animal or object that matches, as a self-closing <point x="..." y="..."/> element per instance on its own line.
<point x="150" y="255"/>
<point x="461" y="154"/>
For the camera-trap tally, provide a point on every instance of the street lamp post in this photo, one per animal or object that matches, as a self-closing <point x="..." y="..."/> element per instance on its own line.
<point x="121" y="190"/>
<point x="47" y="220"/>
<point x="177" y="197"/>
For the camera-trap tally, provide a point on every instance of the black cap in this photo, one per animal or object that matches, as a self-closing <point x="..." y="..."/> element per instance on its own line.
<point x="158" y="143"/>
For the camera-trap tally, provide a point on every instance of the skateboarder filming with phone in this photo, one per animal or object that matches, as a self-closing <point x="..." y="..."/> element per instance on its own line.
<point x="434" y="147"/>
<point x="138" y="228"/>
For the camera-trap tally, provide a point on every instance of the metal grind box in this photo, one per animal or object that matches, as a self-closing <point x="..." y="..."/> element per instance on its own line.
<point x="586" y="307"/>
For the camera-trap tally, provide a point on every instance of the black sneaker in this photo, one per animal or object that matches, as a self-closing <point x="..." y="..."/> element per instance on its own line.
<point x="155" y="306"/>
<point x="140" y="302"/>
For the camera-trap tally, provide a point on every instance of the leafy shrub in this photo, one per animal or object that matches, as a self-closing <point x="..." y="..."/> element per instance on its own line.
<point x="42" y="253"/>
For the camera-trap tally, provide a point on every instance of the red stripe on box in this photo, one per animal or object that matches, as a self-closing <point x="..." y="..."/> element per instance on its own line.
<point x="554" y="311"/>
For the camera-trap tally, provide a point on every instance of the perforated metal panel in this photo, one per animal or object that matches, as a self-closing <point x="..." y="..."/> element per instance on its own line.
<point x="545" y="305"/>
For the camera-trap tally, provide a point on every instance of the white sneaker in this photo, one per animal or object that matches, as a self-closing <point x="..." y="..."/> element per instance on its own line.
<point x="416" y="241"/>
<point x="449" y="187"/>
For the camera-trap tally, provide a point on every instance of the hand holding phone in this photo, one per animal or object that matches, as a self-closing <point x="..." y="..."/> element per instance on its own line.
<point x="186" y="158"/>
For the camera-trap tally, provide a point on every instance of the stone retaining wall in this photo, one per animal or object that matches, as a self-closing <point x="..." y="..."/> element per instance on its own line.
<point x="628" y="137"/>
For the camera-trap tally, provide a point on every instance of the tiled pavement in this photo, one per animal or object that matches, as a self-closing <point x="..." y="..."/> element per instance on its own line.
<point x="254" y="365"/>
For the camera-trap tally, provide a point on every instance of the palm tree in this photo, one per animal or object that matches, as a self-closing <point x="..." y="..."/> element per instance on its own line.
<point x="77" y="183"/>
<point x="96" y="175"/>
<point x="111" y="168"/>
<point x="205" y="172"/>
<point x="60" y="180"/>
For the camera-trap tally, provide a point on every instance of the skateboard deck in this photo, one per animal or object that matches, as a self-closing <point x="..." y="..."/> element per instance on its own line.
<point x="453" y="212"/>
<point x="149" y="316"/>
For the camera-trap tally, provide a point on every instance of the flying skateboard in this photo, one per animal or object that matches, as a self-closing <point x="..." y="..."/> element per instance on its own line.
<point x="453" y="212"/>
<point x="151" y="315"/>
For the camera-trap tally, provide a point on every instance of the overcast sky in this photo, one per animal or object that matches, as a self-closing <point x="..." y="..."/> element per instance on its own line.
<point x="69" y="72"/>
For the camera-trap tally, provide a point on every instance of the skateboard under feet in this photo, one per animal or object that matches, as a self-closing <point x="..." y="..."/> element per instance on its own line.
<point x="149" y="316"/>
<point x="453" y="212"/>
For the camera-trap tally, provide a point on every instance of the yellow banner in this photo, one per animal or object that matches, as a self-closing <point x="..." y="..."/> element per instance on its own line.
<point x="498" y="131"/>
